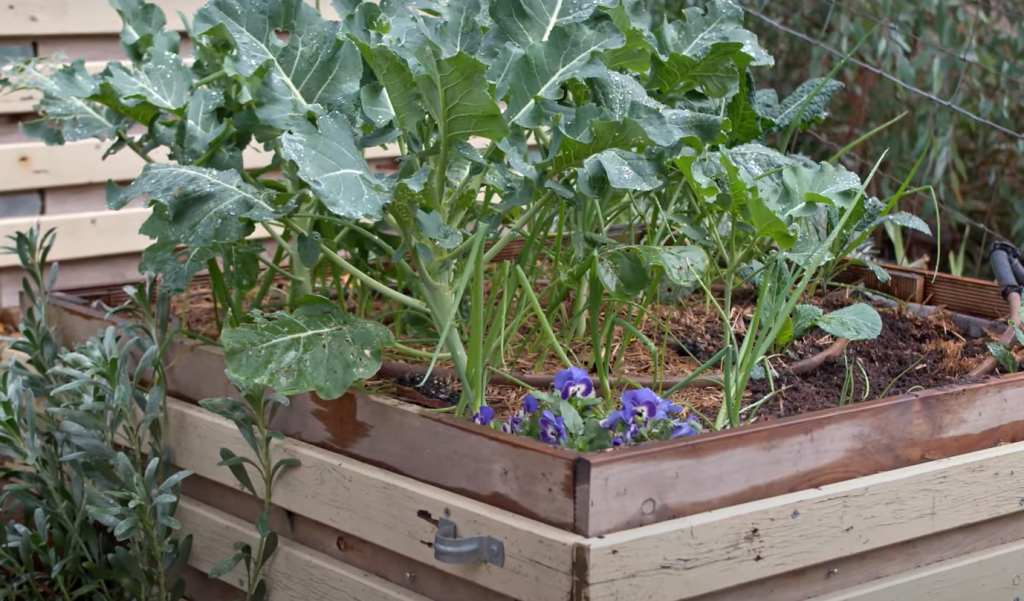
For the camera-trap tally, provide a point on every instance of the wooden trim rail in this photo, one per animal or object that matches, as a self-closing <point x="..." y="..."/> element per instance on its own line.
<point x="296" y="573"/>
<point x="392" y="511"/>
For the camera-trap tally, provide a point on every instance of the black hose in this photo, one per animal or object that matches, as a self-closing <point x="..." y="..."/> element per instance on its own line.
<point x="1005" y="261"/>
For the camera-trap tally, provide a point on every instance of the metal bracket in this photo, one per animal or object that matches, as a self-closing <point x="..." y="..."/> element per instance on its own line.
<point x="448" y="548"/>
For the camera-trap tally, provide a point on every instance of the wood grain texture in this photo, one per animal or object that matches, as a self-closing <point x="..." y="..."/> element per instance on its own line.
<point x="993" y="575"/>
<point x="963" y="295"/>
<point x="662" y="481"/>
<point x="77" y="17"/>
<point x="295" y="573"/>
<point x="689" y="557"/>
<point x="36" y="166"/>
<point x="354" y="551"/>
<point x="26" y="18"/>
<point x="95" y="48"/>
<point x="394" y="512"/>
<point x="852" y="572"/>
<point x="114" y="270"/>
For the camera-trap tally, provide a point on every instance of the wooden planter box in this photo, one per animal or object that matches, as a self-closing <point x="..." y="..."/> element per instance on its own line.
<point x="901" y="497"/>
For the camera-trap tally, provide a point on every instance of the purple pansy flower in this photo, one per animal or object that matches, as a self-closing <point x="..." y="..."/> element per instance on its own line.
<point x="631" y="433"/>
<point x="552" y="429"/>
<point x="483" y="415"/>
<point x="573" y="382"/>
<point x="666" y="408"/>
<point x="644" y="403"/>
<point x="685" y="427"/>
<point x="530" y="404"/>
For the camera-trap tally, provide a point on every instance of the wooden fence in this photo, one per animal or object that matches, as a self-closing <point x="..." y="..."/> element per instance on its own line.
<point x="63" y="186"/>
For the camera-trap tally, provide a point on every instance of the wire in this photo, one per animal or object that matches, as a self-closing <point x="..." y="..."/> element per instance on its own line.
<point x="958" y="55"/>
<point x="1013" y="16"/>
<point x="892" y="78"/>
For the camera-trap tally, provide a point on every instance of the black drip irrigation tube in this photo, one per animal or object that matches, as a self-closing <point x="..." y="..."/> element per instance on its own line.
<point x="1005" y="261"/>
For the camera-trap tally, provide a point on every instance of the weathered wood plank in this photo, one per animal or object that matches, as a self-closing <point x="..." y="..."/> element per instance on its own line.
<point x="662" y="481"/>
<point x="70" y="17"/>
<point x="36" y="166"/>
<point x="115" y="270"/>
<point x="963" y="295"/>
<point x="392" y="511"/>
<point x="296" y="573"/>
<point x="852" y="572"/>
<point x="992" y="575"/>
<point x="23" y="18"/>
<point x="413" y="575"/>
<point x="688" y="557"/>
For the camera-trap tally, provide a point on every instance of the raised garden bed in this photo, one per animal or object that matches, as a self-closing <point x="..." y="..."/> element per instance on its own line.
<point x="595" y="494"/>
<point x="348" y="526"/>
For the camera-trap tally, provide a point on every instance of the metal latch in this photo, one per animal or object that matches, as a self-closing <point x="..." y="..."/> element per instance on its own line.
<point x="448" y="548"/>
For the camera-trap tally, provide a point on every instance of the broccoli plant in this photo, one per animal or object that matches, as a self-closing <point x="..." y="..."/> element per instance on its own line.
<point x="512" y="119"/>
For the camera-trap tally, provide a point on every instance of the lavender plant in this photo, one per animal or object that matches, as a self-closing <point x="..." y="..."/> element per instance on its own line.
<point x="88" y="494"/>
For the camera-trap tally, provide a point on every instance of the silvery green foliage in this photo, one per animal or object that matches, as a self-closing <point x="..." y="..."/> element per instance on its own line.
<point x="88" y="493"/>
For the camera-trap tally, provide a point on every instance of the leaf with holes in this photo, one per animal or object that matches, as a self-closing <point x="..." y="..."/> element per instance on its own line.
<point x="456" y="95"/>
<point x="683" y="265"/>
<point x="540" y="72"/>
<point x="334" y="168"/>
<point x="176" y="267"/>
<point x="195" y="206"/>
<point x="856" y="322"/>
<point x="316" y="66"/>
<point x="67" y="107"/>
<point x="619" y="170"/>
<point x="312" y="350"/>
<point x="143" y="29"/>
<point x="803" y="318"/>
<point x="823" y="184"/>
<point x="804" y="107"/>
<point x="1005" y="358"/>
<point x="699" y="31"/>
<point x="529" y="22"/>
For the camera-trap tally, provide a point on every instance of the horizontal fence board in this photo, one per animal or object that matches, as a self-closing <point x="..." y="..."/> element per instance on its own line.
<point x="392" y="511"/>
<point x="21" y="18"/>
<point x="87" y="235"/>
<point x="112" y="271"/>
<point x="342" y="546"/>
<point x="674" y="479"/>
<point x="77" y="17"/>
<point x="992" y="575"/>
<point x="94" y="48"/>
<point x="36" y="166"/>
<point x="852" y="573"/>
<point x="83" y="235"/>
<point x="295" y="573"/>
<point x="689" y="557"/>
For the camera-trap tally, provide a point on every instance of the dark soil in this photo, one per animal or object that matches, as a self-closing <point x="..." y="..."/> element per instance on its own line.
<point x="912" y="353"/>
<point x="434" y="389"/>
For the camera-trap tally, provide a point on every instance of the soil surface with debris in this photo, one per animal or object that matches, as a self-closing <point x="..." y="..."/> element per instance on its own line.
<point x="912" y="353"/>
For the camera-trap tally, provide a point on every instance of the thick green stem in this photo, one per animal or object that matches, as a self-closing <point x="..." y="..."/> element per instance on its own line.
<point x="363" y="278"/>
<point x="513" y="230"/>
<point x="524" y="282"/>
<point x="442" y="304"/>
